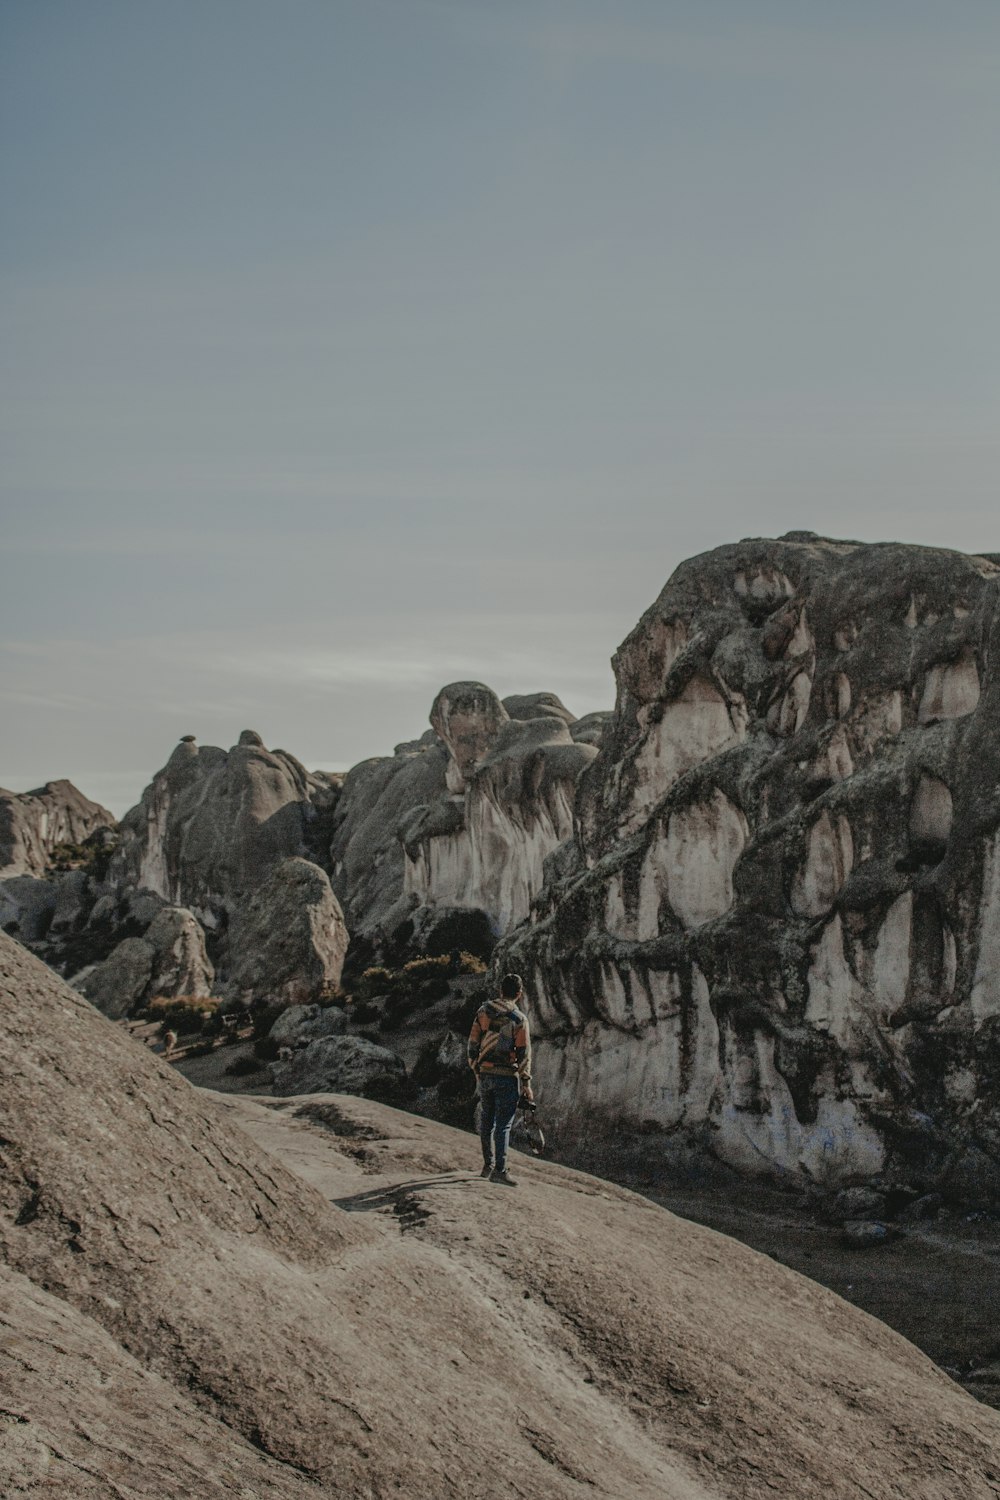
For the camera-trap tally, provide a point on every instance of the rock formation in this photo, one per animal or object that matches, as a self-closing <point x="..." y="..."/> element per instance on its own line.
<point x="287" y="939"/>
<point x="169" y="959"/>
<point x="464" y="817"/>
<point x="183" y="1314"/>
<point x="777" y="926"/>
<point x="213" y="823"/>
<point x="34" y="824"/>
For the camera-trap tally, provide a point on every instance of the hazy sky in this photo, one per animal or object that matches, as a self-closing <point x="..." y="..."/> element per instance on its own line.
<point x="349" y="347"/>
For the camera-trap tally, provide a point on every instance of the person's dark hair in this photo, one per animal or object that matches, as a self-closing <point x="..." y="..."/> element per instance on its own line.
<point x="511" y="986"/>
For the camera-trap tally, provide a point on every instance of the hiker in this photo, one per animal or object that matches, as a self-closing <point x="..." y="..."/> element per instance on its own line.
<point x="500" y="1057"/>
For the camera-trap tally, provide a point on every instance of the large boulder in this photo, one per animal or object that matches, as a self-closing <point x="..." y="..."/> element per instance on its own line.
<point x="337" y="1064"/>
<point x="288" y="939"/>
<point x="34" y="824"/>
<point x="27" y="907"/>
<point x="778" y="924"/>
<point x="300" y="1024"/>
<point x="168" y="960"/>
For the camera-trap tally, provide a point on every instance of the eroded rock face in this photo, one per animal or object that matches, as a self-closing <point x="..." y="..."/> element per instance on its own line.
<point x="288" y="939"/>
<point x="513" y="783"/>
<point x="33" y="824"/>
<point x="778" y="923"/>
<point x="463" y="818"/>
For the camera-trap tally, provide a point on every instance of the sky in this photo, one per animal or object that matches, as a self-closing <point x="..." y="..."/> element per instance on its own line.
<point x="353" y="347"/>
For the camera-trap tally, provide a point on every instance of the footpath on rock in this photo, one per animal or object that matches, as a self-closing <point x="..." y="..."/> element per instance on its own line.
<point x="207" y="1295"/>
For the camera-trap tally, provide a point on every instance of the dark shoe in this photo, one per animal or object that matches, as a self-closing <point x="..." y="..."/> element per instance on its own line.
<point x="487" y="1169"/>
<point x="502" y="1177"/>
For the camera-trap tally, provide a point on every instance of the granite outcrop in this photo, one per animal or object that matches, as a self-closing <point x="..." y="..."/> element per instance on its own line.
<point x="461" y="819"/>
<point x="776" y="927"/>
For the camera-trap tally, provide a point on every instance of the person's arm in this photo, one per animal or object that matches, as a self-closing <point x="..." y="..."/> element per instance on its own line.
<point x="522" y="1056"/>
<point x="475" y="1041"/>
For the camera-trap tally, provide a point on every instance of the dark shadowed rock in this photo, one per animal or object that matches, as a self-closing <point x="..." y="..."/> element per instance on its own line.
<point x="336" y="1064"/>
<point x="305" y="1023"/>
<point x="27" y="907"/>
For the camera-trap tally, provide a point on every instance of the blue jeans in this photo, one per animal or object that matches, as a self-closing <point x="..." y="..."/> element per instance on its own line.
<point x="498" y="1097"/>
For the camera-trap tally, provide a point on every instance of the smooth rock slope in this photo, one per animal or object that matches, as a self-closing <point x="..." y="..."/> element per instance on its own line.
<point x="208" y="1297"/>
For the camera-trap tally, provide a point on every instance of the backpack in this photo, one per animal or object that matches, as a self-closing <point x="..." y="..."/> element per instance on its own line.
<point x="497" y="1045"/>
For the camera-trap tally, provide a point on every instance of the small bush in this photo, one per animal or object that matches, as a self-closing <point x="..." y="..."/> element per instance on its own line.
<point x="182" y="1013"/>
<point x="426" y="968"/>
<point x="374" y="981"/>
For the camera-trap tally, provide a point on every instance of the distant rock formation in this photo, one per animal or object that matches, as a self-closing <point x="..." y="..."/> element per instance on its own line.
<point x="464" y="817"/>
<point x="213" y="823"/>
<point x="778" y="925"/>
<point x="34" y="824"/>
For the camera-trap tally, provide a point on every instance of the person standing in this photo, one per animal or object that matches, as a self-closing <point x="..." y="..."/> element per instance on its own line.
<point x="500" y="1057"/>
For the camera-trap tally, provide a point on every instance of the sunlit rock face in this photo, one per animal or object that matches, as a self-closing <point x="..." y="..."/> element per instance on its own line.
<point x="464" y="817"/>
<point x="778" y="921"/>
<point x="33" y="824"/>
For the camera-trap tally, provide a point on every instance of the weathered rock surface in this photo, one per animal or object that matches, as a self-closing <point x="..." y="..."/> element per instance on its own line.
<point x="184" y="1315"/>
<point x="213" y="823"/>
<point x="305" y="1023"/>
<point x="336" y="1064"/>
<point x="288" y="938"/>
<point x="27" y="907"/>
<point x="778" y="925"/>
<point x="169" y="959"/>
<point x="463" y="817"/>
<point x="33" y="824"/>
